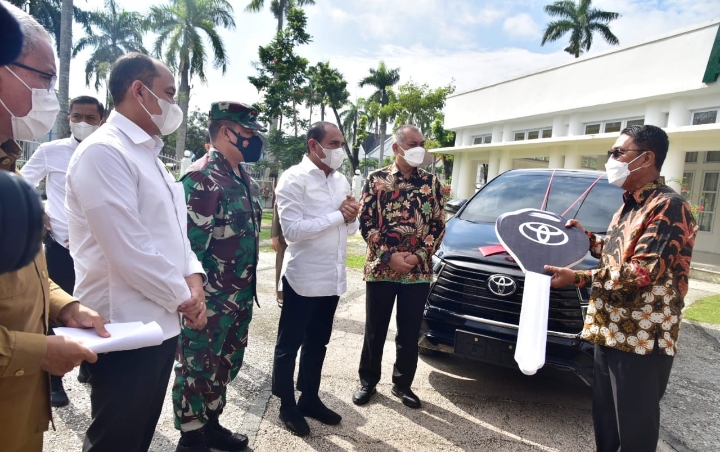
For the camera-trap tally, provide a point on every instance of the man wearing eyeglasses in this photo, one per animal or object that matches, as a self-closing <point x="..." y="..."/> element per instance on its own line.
<point x="637" y="292"/>
<point x="29" y="300"/>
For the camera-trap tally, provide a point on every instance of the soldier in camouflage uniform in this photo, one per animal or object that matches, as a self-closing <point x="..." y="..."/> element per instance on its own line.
<point x="224" y="216"/>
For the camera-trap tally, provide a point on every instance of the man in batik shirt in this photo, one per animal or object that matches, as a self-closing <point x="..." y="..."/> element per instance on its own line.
<point x="637" y="293"/>
<point x="223" y="225"/>
<point x="402" y="220"/>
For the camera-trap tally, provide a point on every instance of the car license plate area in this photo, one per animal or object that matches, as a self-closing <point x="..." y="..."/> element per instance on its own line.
<point x="484" y="348"/>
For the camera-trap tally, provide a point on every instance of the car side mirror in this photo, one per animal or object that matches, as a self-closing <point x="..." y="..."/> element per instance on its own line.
<point x="454" y="205"/>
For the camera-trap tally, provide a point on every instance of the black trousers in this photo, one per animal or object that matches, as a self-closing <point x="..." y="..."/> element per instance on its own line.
<point x="128" y="390"/>
<point x="379" y="300"/>
<point x="61" y="267"/>
<point x="626" y="399"/>
<point x="306" y="322"/>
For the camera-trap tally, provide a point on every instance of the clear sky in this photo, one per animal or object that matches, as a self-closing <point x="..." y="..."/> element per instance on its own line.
<point x="470" y="42"/>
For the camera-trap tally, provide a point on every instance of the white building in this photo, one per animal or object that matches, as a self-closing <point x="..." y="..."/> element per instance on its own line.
<point x="570" y="115"/>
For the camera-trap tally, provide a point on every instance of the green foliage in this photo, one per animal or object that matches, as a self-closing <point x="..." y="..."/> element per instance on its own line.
<point x="196" y="133"/>
<point x="581" y="21"/>
<point x="48" y="12"/>
<point x="287" y="149"/>
<point x="281" y="73"/>
<point x="279" y="8"/>
<point x="418" y="104"/>
<point x="706" y="310"/>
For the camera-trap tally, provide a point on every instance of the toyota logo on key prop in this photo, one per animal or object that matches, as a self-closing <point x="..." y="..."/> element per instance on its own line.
<point x="542" y="233"/>
<point x="501" y="285"/>
<point x="536" y="237"/>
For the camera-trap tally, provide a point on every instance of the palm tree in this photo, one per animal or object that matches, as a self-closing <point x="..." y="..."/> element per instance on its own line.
<point x="381" y="78"/>
<point x="65" y="47"/>
<point x="178" y="26"/>
<point x="49" y="12"/>
<point x="279" y="8"/>
<point x="581" y="21"/>
<point x="118" y="32"/>
<point x="350" y="121"/>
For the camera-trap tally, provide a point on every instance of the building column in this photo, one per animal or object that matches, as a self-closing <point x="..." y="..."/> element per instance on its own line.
<point x="573" y="159"/>
<point x="557" y="158"/>
<point x="559" y="129"/>
<point x="459" y="136"/>
<point x="653" y="115"/>
<point x="457" y="163"/>
<point x="505" y="161"/>
<point x="507" y="133"/>
<point x="674" y="164"/>
<point x="497" y="133"/>
<point x="468" y="177"/>
<point x="494" y="164"/>
<point x="576" y="125"/>
<point x="678" y="115"/>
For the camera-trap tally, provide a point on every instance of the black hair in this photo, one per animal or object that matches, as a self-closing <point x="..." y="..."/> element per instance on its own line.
<point x="88" y="100"/>
<point x="317" y="132"/>
<point x="214" y="126"/>
<point x="650" y="138"/>
<point x="128" y="68"/>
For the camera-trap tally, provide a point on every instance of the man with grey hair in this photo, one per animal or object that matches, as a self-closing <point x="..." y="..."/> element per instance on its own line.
<point x="28" y="298"/>
<point x="402" y="220"/>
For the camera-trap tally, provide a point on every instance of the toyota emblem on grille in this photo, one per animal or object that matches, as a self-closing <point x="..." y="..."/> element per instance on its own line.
<point x="501" y="285"/>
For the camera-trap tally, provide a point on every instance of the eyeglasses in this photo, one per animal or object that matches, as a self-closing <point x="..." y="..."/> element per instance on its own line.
<point x="617" y="153"/>
<point x="52" y="78"/>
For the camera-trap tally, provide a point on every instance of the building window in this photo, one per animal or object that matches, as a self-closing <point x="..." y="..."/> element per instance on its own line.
<point x="483" y="139"/>
<point x="533" y="134"/>
<point x="712" y="157"/>
<point x="589" y="162"/>
<point x="704" y="117"/>
<point x="708" y="199"/>
<point x="613" y="126"/>
<point x="591" y="129"/>
<point x="691" y="157"/>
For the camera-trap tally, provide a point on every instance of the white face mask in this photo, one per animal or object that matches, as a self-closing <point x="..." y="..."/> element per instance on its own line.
<point x="333" y="157"/>
<point x="41" y="117"/>
<point x="414" y="156"/>
<point x="618" y="172"/>
<point x="170" y="118"/>
<point x="82" y="130"/>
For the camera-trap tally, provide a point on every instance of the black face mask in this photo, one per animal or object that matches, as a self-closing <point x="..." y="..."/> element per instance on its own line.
<point x="251" y="148"/>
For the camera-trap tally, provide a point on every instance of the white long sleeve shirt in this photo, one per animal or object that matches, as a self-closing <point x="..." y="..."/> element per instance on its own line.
<point x="52" y="160"/>
<point x="128" y="228"/>
<point x="314" y="228"/>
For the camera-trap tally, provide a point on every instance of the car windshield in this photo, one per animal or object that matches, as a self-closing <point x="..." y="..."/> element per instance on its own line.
<point x="521" y="190"/>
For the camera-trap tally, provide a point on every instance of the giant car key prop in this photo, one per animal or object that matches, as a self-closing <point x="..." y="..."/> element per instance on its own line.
<point x="535" y="238"/>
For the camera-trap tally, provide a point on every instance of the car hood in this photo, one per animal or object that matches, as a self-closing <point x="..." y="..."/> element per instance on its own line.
<point x="463" y="239"/>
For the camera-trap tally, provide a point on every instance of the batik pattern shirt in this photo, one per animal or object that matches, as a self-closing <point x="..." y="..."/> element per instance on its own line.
<point x="401" y="214"/>
<point x="638" y="289"/>
<point x="224" y="217"/>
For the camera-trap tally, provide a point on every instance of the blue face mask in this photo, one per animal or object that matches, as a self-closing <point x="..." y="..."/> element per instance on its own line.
<point x="251" y="148"/>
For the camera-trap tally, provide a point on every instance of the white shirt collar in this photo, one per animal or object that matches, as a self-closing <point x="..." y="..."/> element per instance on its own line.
<point x="135" y="133"/>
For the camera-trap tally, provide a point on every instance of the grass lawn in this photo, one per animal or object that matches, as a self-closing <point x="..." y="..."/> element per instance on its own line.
<point x="706" y="310"/>
<point x="355" y="261"/>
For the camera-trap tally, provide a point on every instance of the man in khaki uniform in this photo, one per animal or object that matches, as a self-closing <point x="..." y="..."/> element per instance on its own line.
<point x="28" y="299"/>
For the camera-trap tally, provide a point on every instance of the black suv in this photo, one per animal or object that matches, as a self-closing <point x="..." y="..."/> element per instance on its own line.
<point x="473" y="309"/>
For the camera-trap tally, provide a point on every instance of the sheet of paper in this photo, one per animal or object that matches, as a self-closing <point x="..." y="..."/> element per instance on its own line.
<point x="123" y="336"/>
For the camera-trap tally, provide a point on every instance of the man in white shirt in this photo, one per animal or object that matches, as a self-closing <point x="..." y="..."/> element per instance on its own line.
<point x="133" y="262"/>
<point x="51" y="160"/>
<point x="317" y="213"/>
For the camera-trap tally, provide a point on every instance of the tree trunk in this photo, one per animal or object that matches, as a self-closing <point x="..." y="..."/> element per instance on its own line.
<point x="322" y="111"/>
<point x="383" y="126"/>
<point x="353" y="161"/>
<point x="66" y="20"/>
<point x="183" y="101"/>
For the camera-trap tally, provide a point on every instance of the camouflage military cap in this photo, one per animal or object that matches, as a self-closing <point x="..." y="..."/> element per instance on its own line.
<point x="242" y="114"/>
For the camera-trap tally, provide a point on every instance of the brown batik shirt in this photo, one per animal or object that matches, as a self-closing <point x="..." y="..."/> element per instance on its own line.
<point x="637" y="291"/>
<point x="400" y="214"/>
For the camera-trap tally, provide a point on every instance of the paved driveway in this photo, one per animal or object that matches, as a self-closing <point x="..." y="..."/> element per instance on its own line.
<point x="467" y="406"/>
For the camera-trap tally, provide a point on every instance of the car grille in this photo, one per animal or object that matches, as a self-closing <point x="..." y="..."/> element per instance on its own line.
<point x="463" y="289"/>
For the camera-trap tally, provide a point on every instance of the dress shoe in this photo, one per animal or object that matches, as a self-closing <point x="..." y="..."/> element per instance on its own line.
<point x="192" y="441"/>
<point x="58" y="396"/>
<point x="220" y="438"/>
<point x="315" y="409"/>
<point x="362" y="395"/>
<point x="409" y="399"/>
<point x="294" y="421"/>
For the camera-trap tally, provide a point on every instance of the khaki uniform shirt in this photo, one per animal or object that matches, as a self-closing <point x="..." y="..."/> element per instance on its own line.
<point x="28" y="300"/>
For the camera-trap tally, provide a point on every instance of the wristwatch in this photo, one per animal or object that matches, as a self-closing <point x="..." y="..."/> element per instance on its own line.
<point x="385" y="257"/>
